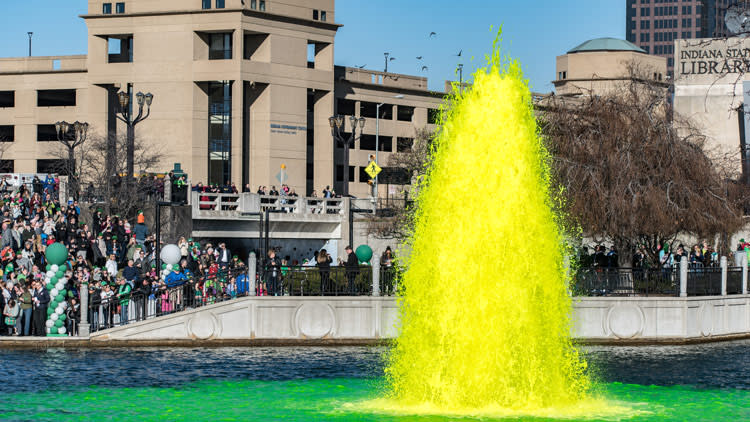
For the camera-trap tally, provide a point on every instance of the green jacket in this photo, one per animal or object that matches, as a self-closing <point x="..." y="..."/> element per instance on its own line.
<point x="124" y="293"/>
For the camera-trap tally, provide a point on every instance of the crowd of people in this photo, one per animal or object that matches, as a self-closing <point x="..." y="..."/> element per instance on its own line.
<point x="699" y="255"/>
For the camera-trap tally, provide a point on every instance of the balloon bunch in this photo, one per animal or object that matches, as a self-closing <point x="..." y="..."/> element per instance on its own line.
<point x="55" y="282"/>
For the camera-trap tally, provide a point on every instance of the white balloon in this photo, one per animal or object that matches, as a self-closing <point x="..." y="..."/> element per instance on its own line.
<point x="59" y="309"/>
<point x="170" y="254"/>
<point x="47" y="330"/>
<point x="169" y="267"/>
<point x="61" y="330"/>
<point x="49" y="324"/>
<point x="60" y="285"/>
<point x="64" y="305"/>
<point x="50" y="273"/>
<point x="54" y="292"/>
<point x="55" y="267"/>
<point x="53" y="317"/>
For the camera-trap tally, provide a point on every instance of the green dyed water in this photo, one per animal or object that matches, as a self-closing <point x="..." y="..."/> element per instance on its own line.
<point x="339" y="399"/>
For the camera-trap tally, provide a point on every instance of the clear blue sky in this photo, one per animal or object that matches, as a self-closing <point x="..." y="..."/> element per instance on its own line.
<point x="534" y="31"/>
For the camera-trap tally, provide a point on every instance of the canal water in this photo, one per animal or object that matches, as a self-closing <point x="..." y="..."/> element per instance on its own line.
<point x="708" y="382"/>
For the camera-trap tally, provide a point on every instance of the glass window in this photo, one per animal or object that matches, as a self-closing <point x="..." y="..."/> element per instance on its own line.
<point x="206" y="4"/>
<point x="262" y="5"/>
<point x="219" y="4"/>
<point x="120" y="7"/>
<point x="220" y="46"/>
<point x="107" y="8"/>
<point x="253" y="4"/>
<point x="323" y="15"/>
<point x="315" y="15"/>
<point x="219" y="132"/>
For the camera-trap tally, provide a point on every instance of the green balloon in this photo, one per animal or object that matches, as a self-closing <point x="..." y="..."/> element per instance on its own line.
<point x="59" y="274"/>
<point x="364" y="253"/>
<point x="59" y="298"/>
<point x="56" y="253"/>
<point x="58" y="323"/>
<point x="50" y="286"/>
<point x="163" y="266"/>
<point x="49" y="267"/>
<point x="50" y="310"/>
<point x="53" y="330"/>
<point x="61" y="317"/>
<point x="53" y="280"/>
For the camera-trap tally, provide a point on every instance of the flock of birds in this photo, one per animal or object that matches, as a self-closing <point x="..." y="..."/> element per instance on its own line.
<point x="424" y="68"/>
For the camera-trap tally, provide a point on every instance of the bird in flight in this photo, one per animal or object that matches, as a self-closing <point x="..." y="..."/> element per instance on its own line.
<point x="361" y="67"/>
<point x="392" y="59"/>
<point x="459" y="53"/>
<point x="419" y="57"/>
<point x="424" y="68"/>
<point x="432" y="34"/>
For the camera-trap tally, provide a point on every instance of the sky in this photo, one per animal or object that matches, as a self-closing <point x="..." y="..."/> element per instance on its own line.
<point x="534" y="32"/>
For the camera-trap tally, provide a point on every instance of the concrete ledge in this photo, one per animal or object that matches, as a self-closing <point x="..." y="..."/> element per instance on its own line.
<point x="78" y="343"/>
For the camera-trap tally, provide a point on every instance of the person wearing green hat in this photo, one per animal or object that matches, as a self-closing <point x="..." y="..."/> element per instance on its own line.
<point x="123" y="293"/>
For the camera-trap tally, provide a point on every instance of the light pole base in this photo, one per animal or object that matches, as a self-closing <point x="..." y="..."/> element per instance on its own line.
<point x="84" y="330"/>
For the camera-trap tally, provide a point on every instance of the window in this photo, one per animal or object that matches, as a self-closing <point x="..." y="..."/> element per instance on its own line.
<point x="52" y="166"/>
<point x="315" y="15"/>
<point x="120" y="49"/>
<point x="220" y="46"/>
<point x="56" y="97"/>
<point x="433" y="114"/>
<point x="7" y="99"/>
<point x="253" y="4"/>
<point x="120" y="8"/>
<point x="367" y="109"/>
<point x="340" y="173"/>
<point x="206" y="4"/>
<point x="323" y="15"/>
<point x="107" y="8"/>
<point x="46" y="133"/>
<point x="262" y="8"/>
<point x="7" y="133"/>
<point x="386" y="112"/>
<point x="363" y="176"/>
<point x="404" y="144"/>
<point x="219" y="4"/>
<point x="345" y="107"/>
<point x="219" y="132"/>
<point x="6" y="166"/>
<point x="405" y="113"/>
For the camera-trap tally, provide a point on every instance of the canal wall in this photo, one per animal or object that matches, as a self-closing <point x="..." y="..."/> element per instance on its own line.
<point x="317" y="320"/>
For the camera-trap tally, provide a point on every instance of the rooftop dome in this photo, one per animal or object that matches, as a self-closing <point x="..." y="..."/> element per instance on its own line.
<point x="606" y="44"/>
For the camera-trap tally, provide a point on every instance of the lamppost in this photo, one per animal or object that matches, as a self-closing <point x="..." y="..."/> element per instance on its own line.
<point x="377" y="145"/>
<point x="31" y="34"/>
<point x="337" y="126"/>
<point x="128" y="119"/>
<point x="72" y="142"/>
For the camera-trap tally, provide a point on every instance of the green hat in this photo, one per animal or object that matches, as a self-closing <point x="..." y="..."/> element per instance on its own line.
<point x="190" y="240"/>
<point x="114" y="237"/>
<point x="104" y="283"/>
<point x="235" y="257"/>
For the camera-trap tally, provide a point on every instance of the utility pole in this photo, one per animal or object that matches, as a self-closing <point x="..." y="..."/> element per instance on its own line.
<point x="30" y="35"/>
<point x="460" y="77"/>
<point x="386" y="61"/>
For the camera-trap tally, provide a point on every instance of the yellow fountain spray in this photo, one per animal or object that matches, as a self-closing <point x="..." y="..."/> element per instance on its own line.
<point x="485" y="315"/>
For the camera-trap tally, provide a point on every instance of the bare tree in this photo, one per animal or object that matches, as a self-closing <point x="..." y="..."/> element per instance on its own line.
<point x="397" y="221"/>
<point x="107" y="185"/>
<point x="635" y="174"/>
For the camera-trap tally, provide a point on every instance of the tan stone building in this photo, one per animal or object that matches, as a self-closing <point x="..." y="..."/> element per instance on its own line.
<point x="599" y="65"/>
<point x="241" y="87"/>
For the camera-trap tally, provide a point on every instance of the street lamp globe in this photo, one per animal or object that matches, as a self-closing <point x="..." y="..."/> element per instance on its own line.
<point x="362" y="122"/>
<point x="149" y="98"/>
<point x="140" y="98"/>
<point x="124" y="99"/>
<point x="353" y="121"/>
<point x="340" y="122"/>
<point x="332" y="122"/>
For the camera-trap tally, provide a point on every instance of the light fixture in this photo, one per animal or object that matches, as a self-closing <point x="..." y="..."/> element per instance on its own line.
<point x="353" y="121"/>
<point x="332" y="122"/>
<point x="139" y="97"/>
<point x="362" y="122"/>
<point x="340" y="121"/>
<point x="124" y="99"/>
<point x="149" y="98"/>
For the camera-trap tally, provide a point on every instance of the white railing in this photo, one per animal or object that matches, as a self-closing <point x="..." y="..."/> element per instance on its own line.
<point x="207" y="204"/>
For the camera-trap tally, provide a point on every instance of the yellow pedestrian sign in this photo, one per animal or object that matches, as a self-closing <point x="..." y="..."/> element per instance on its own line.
<point x="373" y="169"/>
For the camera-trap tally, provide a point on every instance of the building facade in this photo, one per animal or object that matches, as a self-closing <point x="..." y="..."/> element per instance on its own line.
<point x="601" y="65"/>
<point x="654" y="25"/>
<point x="241" y="89"/>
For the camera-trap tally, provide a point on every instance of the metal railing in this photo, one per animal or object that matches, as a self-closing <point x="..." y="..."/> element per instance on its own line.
<point x="610" y="281"/>
<point x="389" y="278"/>
<point x="734" y="280"/>
<point x="315" y="281"/>
<point x="218" y="201"/>
<point x="704" y="281"/>
<point x="141" y="305"/>
<point x="303" y="205"/>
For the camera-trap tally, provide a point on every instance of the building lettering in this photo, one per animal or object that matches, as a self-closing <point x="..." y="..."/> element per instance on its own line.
<point x="710" y="61"/>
